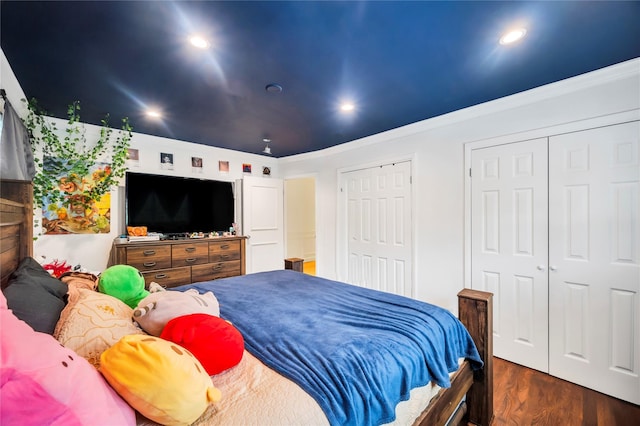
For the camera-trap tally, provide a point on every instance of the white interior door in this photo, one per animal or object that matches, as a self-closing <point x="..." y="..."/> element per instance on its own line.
<point x="379" y="228"/>
<point x="594" y="259"/>
<point x="262" y="223"/>
<point x="509" y="246"/>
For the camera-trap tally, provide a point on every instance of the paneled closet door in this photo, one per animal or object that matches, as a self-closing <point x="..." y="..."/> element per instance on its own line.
<point x="379" y="228"/>
<point x="509" y="246"/>
<point x="594" y="258"/>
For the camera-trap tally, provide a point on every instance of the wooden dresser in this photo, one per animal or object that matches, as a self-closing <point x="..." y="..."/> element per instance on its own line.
<point x="176" y="262"/>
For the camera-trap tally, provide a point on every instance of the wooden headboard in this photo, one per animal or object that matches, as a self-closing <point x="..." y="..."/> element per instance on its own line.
<point x="16" y="225"/>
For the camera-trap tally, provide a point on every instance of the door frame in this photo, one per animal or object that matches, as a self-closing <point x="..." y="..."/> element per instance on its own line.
<point x="315" y="197"/>
<point x="342" y="242"/>
<point x="544" y="132"/>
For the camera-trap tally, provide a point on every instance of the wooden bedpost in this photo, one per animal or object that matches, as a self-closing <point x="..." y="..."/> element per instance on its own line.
<point x="475" y="311"/>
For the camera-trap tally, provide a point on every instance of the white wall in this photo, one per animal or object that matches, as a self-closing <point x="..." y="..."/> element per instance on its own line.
<point x="92" y="251"/>
<point x="437" y="148"/>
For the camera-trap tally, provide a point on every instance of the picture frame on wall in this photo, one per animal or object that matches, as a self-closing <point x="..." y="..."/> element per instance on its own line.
<point x="196" y="164"/>
<point x="166" y="161"/>
<point x="133" y="157"/>
<point x="246" y="168"/>
<point x="223" y="166"/>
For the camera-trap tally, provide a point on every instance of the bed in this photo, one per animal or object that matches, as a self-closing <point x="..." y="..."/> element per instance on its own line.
<point x="469" y="397"/>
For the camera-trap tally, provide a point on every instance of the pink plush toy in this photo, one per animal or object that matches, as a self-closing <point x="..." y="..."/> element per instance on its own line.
<point x="45" y="383"/>
<point x="214" y="342"/>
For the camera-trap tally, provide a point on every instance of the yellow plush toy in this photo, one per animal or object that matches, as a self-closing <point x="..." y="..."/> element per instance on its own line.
<point x="160" y="379"/>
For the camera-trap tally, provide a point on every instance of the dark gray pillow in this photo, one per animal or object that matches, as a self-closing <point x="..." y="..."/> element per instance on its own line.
<point x="35" y="296"/>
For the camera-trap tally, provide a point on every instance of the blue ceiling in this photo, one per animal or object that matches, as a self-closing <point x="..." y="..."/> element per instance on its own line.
<point x="399" y="62"/>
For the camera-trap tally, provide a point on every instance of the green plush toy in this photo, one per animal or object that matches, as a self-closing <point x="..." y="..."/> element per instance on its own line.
<point x="123" y="282"/>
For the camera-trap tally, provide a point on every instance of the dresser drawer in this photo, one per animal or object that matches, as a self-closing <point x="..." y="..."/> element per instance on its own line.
<point x="150" y="257"/>
<point x="223" y="251"/>
<point x="189" y="254"/>
<point x="171" y="277"/>
<point x="212" y="271"/>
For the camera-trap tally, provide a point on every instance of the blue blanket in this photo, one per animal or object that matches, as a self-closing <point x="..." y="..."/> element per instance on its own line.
<point x="357" y="352"/>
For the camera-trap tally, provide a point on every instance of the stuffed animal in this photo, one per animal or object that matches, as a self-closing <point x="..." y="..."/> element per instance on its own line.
<point x="161" y="306"/>
<point x="160" y="379"/>
<point x="44" y="383"/>
<point x="123" y="282"/>
<point x="217" y="344"/>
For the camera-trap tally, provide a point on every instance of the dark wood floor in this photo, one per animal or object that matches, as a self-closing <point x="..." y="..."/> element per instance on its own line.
<point x="523" y="396"/>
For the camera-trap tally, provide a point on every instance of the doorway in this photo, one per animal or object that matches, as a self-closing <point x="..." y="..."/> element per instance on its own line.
<point x="300" y="221"/>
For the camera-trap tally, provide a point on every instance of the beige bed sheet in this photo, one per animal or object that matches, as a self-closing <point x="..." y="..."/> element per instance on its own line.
<point x="253" y="394"/>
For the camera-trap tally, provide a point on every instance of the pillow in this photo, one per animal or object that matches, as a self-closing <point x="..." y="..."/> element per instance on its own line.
<point x="75" y="279"/>
<point x="158" y="308"/>
<point x="36" y="368"/>
<point x="92" y="322"/>
<point x="161" y="380"/>
<point x="35" y="296"/>
<point x="20" y="393"/>
<point x="217" y="344"/>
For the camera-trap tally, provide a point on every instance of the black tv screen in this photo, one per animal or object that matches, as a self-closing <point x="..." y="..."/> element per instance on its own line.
<point x="178" y="205"/>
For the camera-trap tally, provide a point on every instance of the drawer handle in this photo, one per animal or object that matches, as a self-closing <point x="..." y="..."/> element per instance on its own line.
<point x="149" y="264"/>
<point x="217" y="267"/>
<point x="191" y="260"/>
<point x="225" y="256"/>
<point x="190" y="249"/>
<point x="149" y="252"/>
<point x="225" y="246"/>
<point x="160" y="276"/>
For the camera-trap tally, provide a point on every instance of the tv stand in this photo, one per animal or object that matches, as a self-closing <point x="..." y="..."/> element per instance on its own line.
<point x="172" y="263"/>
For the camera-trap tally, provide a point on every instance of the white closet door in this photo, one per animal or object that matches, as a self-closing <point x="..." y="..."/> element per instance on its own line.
<point x="509" y="246"/>
<point x="594" y="259"/>
<point x="379" y="228"/>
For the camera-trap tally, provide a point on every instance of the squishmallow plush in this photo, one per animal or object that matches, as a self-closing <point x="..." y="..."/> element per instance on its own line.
<point x="161" y="306"/>
<point x="217" y="344"/>
<point x="123" y="282"/>
<point x="42" y="382"/>
<point x="160" y="379"/>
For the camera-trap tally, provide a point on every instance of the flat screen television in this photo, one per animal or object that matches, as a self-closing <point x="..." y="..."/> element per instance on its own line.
<point x="177" y="205"/>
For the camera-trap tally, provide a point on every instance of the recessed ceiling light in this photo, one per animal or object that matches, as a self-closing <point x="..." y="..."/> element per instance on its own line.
<point x="347" y="106"/>
<point x="154" y="114"/>
<point x="199" y="42"/>
<point x="512" y="36"/>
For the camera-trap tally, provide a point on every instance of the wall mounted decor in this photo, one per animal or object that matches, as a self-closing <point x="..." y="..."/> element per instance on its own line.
<point x="166" y="161"/>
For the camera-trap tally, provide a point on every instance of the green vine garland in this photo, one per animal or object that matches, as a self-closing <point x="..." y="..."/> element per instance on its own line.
<point x="74" y="158"/>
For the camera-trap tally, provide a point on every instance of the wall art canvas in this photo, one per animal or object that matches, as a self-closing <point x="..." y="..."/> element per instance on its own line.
<point x="246" y="168"/>
<point x="223" y="166"/>
<point x="77" y="213"/>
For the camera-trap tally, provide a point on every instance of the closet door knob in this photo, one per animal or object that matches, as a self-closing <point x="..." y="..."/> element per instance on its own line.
<point x="553" y="268"/>
<point x="541" y="267"/>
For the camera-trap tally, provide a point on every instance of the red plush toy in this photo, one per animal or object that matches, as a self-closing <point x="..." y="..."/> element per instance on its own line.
<point x="213" y="341"/>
